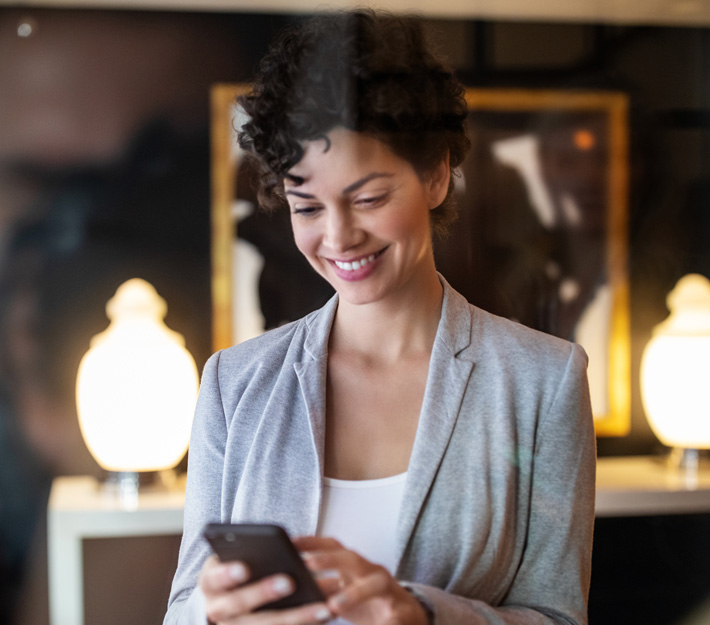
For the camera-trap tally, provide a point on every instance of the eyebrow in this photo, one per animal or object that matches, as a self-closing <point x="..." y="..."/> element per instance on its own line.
<point x="349" y="189"/>
<point x="306" y="196"/>
<point x="359" y="183"/>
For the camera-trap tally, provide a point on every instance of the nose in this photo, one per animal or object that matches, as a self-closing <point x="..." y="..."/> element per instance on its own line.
<point x="341" y="229"/>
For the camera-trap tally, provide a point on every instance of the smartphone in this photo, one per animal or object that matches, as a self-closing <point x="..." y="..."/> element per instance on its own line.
<point x="266" y="550"/>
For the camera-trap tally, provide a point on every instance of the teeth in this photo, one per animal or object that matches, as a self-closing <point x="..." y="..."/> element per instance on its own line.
<point x="355" y="265"/>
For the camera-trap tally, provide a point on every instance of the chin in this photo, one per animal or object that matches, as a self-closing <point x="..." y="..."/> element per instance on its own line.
<point x="356" y="293"/>
<point x="357" y="301"/>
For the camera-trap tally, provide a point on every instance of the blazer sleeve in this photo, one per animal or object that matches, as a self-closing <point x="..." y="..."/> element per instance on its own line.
<point x="202" y="499"/>
<point x="551" y="585"/>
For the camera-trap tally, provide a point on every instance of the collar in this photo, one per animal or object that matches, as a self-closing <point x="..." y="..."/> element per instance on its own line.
<point x="455" y="324"/>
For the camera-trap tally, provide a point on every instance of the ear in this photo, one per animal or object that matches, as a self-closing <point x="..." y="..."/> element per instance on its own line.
<point x="438" y="182"/>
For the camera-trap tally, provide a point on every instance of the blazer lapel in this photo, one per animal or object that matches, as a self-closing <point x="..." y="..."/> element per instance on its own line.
<point x="311" y="373"/>
<point x="449" y="372"/>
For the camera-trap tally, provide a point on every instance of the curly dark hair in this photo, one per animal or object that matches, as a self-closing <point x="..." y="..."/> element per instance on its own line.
<point x="367" y="71"/>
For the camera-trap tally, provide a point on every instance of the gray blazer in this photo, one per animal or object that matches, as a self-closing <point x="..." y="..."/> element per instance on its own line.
<point x="497" y="515"/>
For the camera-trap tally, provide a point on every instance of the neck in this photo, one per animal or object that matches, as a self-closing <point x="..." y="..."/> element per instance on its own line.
<point x="396" y="327"/>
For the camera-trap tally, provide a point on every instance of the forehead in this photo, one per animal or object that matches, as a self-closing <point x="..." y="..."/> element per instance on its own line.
<point x="343" y="152"/>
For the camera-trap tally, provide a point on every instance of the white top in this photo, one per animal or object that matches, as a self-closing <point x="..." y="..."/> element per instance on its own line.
<point x="362" y="515"/>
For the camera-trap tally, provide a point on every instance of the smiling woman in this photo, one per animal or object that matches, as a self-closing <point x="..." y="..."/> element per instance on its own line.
<point x="438" y="459"/>
<point x="360" y="216"/>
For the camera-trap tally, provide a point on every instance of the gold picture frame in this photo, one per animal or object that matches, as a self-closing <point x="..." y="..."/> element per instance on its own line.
<point x="584" y="218"/>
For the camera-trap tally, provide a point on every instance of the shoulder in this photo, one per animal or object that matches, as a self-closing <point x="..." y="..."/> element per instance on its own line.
<point x="507" y="354"/>
<point x="486" y="337"/>
<point x="544" y="376"/>
<point x="273" y="350"/>
<point x="527" y="378"/>
<point x="502" y="337"/>
<point x="270" y="346"/>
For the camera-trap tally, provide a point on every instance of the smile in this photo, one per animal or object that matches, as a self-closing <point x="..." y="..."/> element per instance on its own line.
<point x="356" y="264"/>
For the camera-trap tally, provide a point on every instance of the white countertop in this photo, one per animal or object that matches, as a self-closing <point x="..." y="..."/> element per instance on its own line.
<point x="646" y="485"/>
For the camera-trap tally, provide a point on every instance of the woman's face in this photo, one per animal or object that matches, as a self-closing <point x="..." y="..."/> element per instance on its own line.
<point x="360" y="215"/>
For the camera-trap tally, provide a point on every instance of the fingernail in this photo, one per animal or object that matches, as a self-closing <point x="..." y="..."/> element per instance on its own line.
<point x="238" y="572"/>
<point x="282" y="585"/>
<point x="338" y="600"/>
<point x="323" y="614"/>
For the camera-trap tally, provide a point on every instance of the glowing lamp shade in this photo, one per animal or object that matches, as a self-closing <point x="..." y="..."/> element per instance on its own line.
<point x="137" y="386"/>
<point x="675" y="368"/>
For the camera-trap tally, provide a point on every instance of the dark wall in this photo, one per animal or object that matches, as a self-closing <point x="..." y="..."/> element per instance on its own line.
<point x="664" y="72"/>
<point x="104" y="176"/>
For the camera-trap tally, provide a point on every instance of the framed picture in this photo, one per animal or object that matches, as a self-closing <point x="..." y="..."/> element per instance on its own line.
<point x="541" y="237"/>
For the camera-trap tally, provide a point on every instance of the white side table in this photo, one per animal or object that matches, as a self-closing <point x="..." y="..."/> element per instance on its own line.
<point x="646" y="485"/>
<point x="78" y="509"/>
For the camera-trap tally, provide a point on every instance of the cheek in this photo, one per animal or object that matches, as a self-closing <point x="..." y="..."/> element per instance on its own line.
<point x="306" y="238"/>
<point x="412" y="220"/>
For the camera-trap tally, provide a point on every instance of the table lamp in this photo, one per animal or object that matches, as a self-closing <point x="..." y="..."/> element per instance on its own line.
<point x="675" y="369"/>
<point x="136" y="388"/>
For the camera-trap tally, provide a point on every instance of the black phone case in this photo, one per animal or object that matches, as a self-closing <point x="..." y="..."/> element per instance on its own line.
<point x="266" y="550"/>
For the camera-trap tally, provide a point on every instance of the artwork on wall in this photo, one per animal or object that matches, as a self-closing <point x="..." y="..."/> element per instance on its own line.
<point x="541" y="237"/>
<point x="259" y="278"/>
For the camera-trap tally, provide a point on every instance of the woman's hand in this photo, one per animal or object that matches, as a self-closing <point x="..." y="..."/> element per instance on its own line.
<point x="367" y="594"/>
<point x="231" y="600"/>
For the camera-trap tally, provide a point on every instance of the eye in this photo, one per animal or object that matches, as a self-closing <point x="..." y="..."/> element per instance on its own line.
<point x="306" y="211"/>
<point x="372" y="201"/>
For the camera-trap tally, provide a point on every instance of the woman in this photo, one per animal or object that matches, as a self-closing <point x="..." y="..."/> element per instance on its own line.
<point x="439" y="459"/>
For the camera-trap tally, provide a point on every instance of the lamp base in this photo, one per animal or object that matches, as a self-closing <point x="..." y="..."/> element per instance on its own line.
<point x="689" y="462"/>
<point x="123" y="486"/>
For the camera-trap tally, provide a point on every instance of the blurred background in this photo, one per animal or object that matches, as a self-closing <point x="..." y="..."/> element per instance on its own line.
<point x="105" y="176"/>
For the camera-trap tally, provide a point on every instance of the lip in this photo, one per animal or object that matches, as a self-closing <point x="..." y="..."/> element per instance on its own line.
<point x="357" y="274"/>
